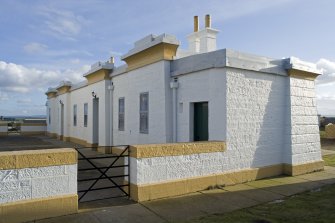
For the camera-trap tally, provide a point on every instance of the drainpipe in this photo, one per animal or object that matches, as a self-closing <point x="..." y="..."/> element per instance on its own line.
<point x="110" y="88"/>
<point x="174" y="86"/>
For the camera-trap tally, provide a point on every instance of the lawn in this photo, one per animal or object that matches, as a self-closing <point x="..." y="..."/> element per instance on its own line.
<point x="329" y="160"/>
<point x="313" y="206"/>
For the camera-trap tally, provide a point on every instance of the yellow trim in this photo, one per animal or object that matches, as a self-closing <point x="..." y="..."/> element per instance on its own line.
<point x="189" y="185"/>
<point x="175" y="149"/>
<point x="37" y="158"/>
<point x="53" y="135"/>
<point x="63" y="90"/>
<point x="72" y="139"/>
<point x="162" y="51"/>
<point x="30" y="133"/>
<point x="294" y="170"/>
<point x="51" y="95"/>
<point x="30" y="210"/>
<point x="79" y="141"/>
<point x="302" y="74"/>
<point x="97" y="76"/>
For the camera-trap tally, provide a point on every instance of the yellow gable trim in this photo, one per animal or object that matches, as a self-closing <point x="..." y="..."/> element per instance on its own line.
<point x="63" y="89"/>
<point x="162" y="51"/>
<point x="97" y="76"/>
<point x="302" y="74"/>
<point x="51" y="95"/>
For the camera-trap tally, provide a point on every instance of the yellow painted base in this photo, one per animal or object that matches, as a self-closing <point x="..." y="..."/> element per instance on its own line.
<point x="33" y="133"/>
<point x="35" y="209"/>
<point x="184" y="186"/>
<point x="303" y="168"/>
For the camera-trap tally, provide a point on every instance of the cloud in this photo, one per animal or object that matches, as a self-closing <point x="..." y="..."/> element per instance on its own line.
<point x="62" y="24"/>
<point x="34" y="47"/>
<point x="3" y="96"/>
<point x="21" y="79"/>
<point x="24" y="101"/>
<point x="328" y="68"/>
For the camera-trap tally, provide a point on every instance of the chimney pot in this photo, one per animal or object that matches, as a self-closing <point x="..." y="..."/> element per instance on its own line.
<point x="196" y="23"/>
<point x="208" y="21"/>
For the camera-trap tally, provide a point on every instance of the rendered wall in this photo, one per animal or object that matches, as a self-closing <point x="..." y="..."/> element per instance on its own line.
<point x="153" y="79"/>
<point x="257" y="109"/>
<point x="37" y="184"/>
<point x="207" y="85"/>
<point x="79" y="133"/>
<point x="304" y="144"/>
<point x="33" y="129"/>
<point x="164" y="170"/>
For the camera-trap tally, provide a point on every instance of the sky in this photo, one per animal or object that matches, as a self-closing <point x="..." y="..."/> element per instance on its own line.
<point x="43" y="42"/>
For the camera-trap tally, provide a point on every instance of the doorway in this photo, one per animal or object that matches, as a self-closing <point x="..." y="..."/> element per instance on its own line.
<point x="200" y="121"/>
<point x="95" y="121"/>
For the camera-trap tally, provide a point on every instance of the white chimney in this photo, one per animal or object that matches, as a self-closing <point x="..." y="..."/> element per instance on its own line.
<point x="202" y="41"/>
<point x="193" y="39"/>
<point x="207" y="37"/>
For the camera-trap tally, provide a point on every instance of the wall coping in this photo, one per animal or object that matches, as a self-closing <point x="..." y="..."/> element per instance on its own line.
<point x="176" y="149"/>
<point x="37" y="158"/>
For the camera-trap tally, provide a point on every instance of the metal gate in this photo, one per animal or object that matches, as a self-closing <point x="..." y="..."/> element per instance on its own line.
<point x="102" y="176"/>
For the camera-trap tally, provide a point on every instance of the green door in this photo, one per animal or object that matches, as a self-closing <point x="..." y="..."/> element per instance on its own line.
<point x="201" y="121"/>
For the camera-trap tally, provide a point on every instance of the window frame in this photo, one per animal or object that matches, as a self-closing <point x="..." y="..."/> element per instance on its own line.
<point x="85" y="114"/>
<point x="75" y="115"/>
<point x="121" y="114"/>
<point x="144" y="113"/>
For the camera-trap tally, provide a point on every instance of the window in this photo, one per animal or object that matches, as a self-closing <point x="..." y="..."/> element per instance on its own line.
<point x="85" y="114"/>
<point x="49" y="116"/>
<point x="144" y="112"/>
<point x="121" y="114"/>
<point x="74" y="115"/>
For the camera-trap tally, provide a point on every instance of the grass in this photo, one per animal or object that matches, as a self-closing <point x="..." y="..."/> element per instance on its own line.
<point x="329" y="160"/>
<point x="313" y="206"/>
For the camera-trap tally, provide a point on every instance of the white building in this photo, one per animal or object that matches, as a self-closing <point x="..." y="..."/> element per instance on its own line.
<point x="263" y="108"/>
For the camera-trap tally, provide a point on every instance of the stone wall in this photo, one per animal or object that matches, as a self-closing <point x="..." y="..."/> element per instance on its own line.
<point x="37" y="184"/>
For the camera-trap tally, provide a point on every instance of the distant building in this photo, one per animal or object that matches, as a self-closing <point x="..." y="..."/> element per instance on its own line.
<point x="264" y="108"/>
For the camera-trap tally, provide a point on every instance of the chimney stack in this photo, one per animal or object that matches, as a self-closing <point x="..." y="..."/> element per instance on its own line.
<point x="111" y="60"/>
<point x="204" y="40"/>
<point x="208" y="21"/>
<point x="196" y="23"/>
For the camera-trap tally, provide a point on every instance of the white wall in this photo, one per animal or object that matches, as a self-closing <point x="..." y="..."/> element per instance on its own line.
<point x="304" y="144"/>
<point x="79" y="97"/>
<point x="153" y="79"/>
<point x="27" y="128"/>
<point x="207" y="85"/>
<point x="257" y="110"/>
<point x="39" y="182"/>
<point x="53" y="104"/>
<point x="253" y="106"/>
